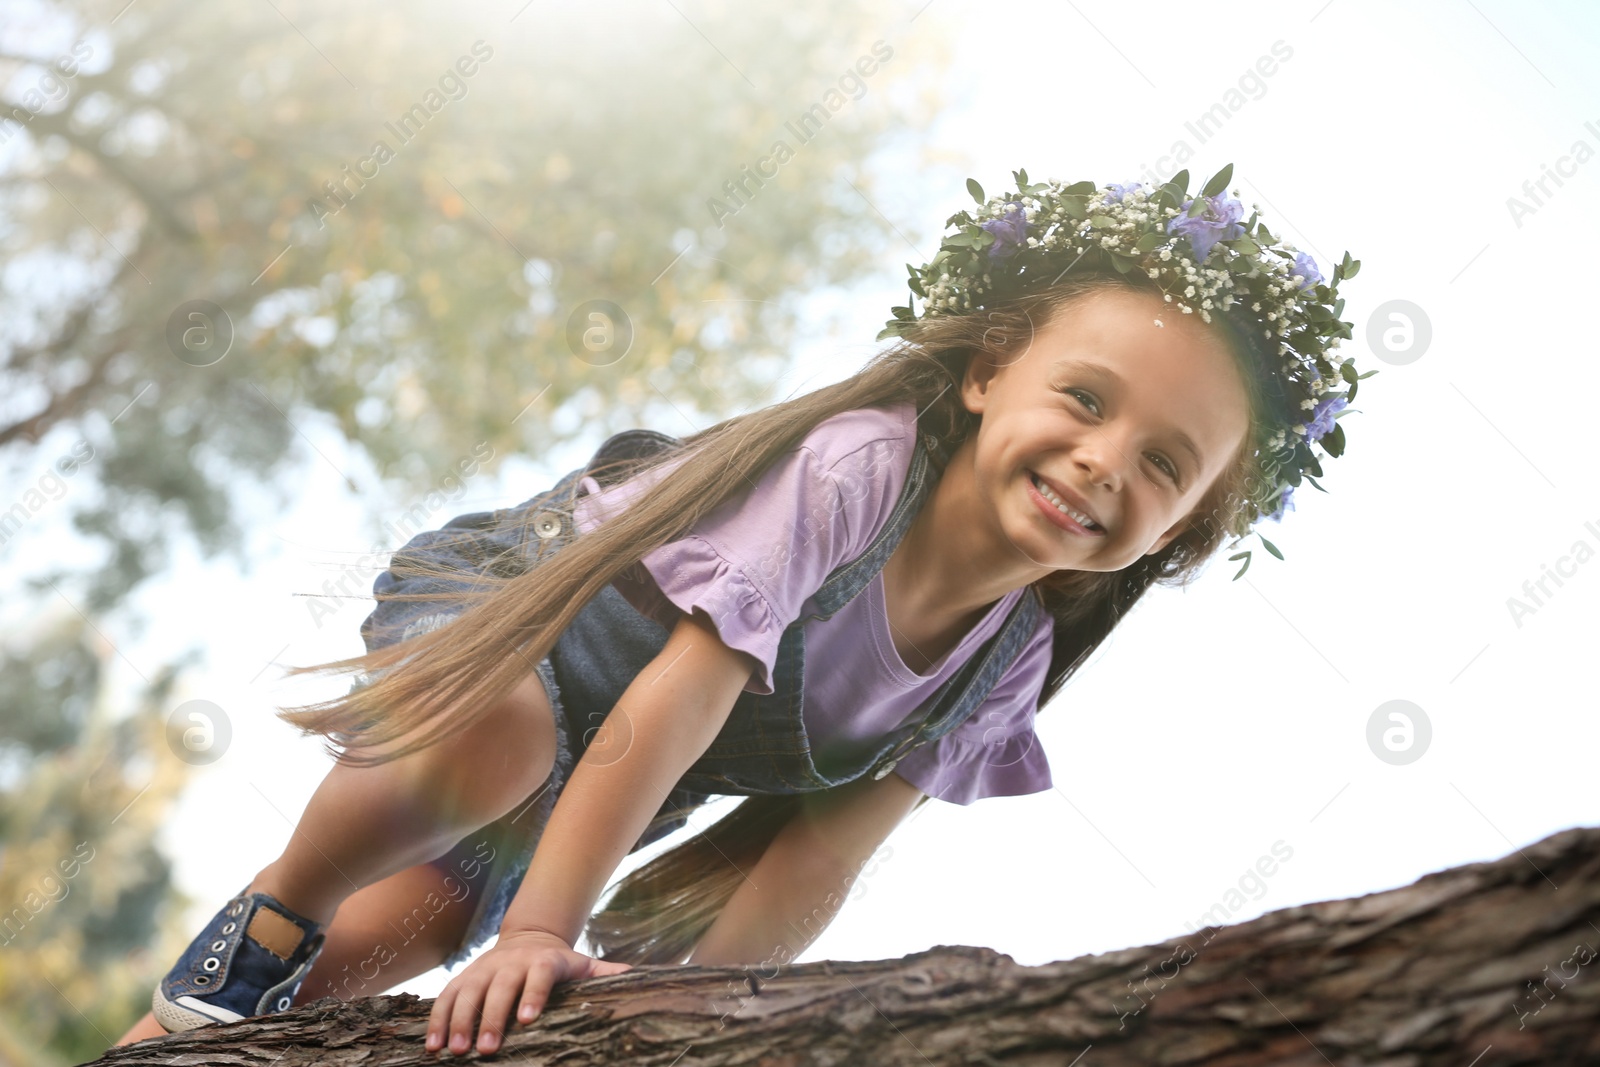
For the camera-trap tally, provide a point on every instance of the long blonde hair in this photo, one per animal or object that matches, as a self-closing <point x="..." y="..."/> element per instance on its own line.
<point x="448" y="678"/>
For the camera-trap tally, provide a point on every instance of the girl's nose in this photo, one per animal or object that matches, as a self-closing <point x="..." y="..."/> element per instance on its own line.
<point x="1101" y="461"/>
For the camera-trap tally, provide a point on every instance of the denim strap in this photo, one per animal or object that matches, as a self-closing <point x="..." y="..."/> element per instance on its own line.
<point x="850" y="578"/>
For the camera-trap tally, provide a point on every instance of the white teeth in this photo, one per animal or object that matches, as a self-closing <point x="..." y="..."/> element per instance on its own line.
<point x="1061" y="505"/>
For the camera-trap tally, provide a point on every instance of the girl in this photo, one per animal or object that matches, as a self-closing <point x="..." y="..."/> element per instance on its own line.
<point x="836" y="607"/>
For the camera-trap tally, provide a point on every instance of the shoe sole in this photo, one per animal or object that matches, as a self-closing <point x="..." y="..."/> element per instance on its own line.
<point x="176" y="1018"/>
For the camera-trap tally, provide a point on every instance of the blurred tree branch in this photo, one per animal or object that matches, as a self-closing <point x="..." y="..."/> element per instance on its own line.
<point x="418" y="299"/>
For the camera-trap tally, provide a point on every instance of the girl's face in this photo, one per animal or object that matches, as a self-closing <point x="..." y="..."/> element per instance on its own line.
<point x="1129" y="422"/>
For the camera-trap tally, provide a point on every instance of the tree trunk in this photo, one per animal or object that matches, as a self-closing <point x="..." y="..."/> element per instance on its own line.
<point x="1487" y="965"/>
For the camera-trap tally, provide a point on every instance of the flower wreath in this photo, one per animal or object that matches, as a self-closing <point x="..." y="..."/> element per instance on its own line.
<point x="1205" y="260"/>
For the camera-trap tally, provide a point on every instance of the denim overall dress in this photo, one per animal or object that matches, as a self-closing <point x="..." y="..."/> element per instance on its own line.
<point x="762" y="748"/>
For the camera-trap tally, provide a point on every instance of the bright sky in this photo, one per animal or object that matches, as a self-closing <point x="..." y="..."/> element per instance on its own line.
<point x="1224" y="720"/>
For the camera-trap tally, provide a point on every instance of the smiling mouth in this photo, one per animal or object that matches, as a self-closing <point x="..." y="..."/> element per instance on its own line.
<point x="1069" y="517"/>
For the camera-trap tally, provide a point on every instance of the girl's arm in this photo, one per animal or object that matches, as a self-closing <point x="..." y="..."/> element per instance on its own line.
<point x="806" y="873"/>
<point x="666" y="719"/>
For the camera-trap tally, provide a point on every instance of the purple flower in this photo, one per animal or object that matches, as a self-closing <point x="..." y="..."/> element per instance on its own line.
<point x="1283" y="504"/>
<point x="1322" y="417"/>
<point x="1306" y="267"/>
<point x="1116" y="192"/>
<point x="1009" y="232"/>
<point x="1218" y="222"/>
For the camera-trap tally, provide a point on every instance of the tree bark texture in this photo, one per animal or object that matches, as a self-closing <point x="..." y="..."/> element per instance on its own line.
<point x="1487" y="965"/>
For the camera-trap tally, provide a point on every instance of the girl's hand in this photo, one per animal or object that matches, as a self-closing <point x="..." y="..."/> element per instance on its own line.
<point x="520" y="969"/>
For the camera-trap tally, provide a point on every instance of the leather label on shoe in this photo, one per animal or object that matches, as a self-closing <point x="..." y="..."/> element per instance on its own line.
<point x="275" y="933"/>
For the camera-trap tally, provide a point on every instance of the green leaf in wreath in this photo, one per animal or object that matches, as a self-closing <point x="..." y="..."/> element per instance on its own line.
<point x="1333" y="443"/>
<point x="1219" y="181"/>
<point x="975" y="189"/>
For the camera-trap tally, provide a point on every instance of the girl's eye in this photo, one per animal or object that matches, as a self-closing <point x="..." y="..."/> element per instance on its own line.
<point x="1080" y="394"/>
<point x="1093" y="403"/>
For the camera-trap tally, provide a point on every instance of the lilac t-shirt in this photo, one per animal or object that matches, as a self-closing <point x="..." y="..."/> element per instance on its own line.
<point x="754" y="563"/>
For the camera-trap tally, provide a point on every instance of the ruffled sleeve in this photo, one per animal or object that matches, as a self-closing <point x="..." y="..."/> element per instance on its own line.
<point x="751" y="563"/>
<point x="690" y="574"/>
<point x="996" y="752"/>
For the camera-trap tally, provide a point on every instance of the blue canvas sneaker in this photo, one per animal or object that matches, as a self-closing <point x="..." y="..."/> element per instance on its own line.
<point x="249" y="960"/>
